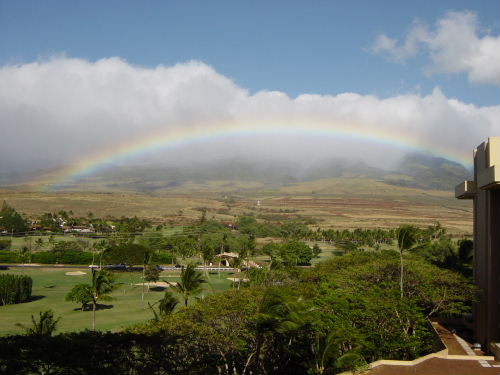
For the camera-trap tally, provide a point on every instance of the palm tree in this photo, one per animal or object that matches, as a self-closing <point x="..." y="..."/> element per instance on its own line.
<point x="44" y="326"/>
<point x="166" y="306"/>
<point x="407" y="237"/>
<point x="190" y="283"/>
<point x="167" y="303"/>
<point x="327" y="354"/>
<point x="102" y="284"/>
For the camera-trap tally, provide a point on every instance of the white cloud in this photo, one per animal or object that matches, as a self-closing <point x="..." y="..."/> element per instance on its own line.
<point x="455" y="45"/>
<point x="61" y="110"/>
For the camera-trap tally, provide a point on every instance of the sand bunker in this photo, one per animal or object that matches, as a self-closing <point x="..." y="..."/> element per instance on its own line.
<point x="76" y="273"/>
<point x="162" y="284"/>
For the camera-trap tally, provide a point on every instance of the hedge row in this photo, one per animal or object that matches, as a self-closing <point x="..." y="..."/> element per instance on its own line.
<point x="163" y="258"/>
<point x="49" y="257"/>
<point x="7" y="256"/>
<point x="69" y="257"/>
<point x="63" y="257"/>
<point x="99" y="353"/>
<point x="15" y="288"/>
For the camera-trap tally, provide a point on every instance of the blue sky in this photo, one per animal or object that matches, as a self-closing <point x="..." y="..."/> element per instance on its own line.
<point x="421" y="75"/>
<point x="295" y="47"/>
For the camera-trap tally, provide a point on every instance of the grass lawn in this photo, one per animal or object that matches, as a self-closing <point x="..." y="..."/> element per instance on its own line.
<point x="50" y="286"/>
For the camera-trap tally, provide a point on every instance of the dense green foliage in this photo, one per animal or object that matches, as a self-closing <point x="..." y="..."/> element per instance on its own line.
<point x="62" y="257"/>
<point x="330" y="318"/>
<point x="5" y="244"/>
<point x="445" y="253"/>
<point x="249" y="225"/>
<point x="291" y="253"/>
<point x="15" y="288"/>
<point x="336" y="316"/>
<point x="11" y="221"/>
<point x="327" y="319"/>
<point x="81" y="293"/>
<point x="7" y="256"/>
<point x="151" y="274"/>
<point x="126" y="253"/>
<point x="99" y="353"/>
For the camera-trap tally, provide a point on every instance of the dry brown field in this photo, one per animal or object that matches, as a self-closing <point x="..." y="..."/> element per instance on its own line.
<point x="335" y="203"/>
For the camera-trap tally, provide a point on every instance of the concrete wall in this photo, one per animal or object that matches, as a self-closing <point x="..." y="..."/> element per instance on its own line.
<point x="485" y="191"/>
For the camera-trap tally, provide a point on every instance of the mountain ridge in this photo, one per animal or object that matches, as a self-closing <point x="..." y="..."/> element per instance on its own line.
<point x="413" y="170"/>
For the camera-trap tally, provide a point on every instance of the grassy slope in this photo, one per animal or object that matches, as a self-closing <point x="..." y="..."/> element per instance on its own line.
<point x="338" y="202"/>
<point x="52" y="285"/>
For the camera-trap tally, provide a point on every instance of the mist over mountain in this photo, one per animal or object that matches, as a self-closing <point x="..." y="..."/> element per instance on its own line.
<point x="341" y="167"/>
<point x="413" y="170"/>
<point x="428" y="172"/>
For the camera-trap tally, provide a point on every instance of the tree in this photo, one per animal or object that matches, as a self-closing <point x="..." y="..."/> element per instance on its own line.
<point x="44" y="326"/>
<point x="185" y="246"/>
<point x="407" y="237"/>
<point x="81" y="293"/>
<point x="126" y="253"/>
<point x="294" y="252"/>
<point x="190" y="283"/>
<point x="445" y="253"/>
<point x="50" y="222"/>
<point x="25" y="254"/>
<point x="151" y="274"/>
<point x="316" y="250"/>
<point x="168" y="303"/>
<point x="128" y="227"/>
<point x="210" y="245"/>
<point x="166" y="306"/>
<point x="271" y="249"/>
<point x="102" y="284"/>
<point x="294" y="229"/>
<point x="11" y="221"/>
<point x="62" y="246"/>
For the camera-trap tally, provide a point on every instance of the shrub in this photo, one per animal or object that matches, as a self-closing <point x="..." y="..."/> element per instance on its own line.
<point x="163" y="258"/>
<point x="15" y="288"/>
<point x="7" y="256"/>
<point x="5" y="244"/>
<point x="64" y="257"/>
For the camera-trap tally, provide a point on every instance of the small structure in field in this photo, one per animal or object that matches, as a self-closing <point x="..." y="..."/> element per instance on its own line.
<point x="227" y="259"/>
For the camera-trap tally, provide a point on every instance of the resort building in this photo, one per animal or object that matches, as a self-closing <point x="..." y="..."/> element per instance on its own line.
<point x="485" y="192"/>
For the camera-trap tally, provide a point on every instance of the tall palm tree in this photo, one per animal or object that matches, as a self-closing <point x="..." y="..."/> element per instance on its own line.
<point x="407" y="237"/>
<point x="190" y="283"/>
<point x="102" y="284"/>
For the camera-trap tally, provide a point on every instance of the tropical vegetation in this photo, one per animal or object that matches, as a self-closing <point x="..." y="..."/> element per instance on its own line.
<point x="372" y="300"/>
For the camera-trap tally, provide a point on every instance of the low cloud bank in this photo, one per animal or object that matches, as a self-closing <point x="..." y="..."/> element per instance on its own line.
<point x="59" y="111"/>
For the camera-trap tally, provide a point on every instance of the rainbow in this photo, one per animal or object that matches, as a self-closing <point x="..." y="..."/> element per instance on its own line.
<point x="219" y="131"/>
